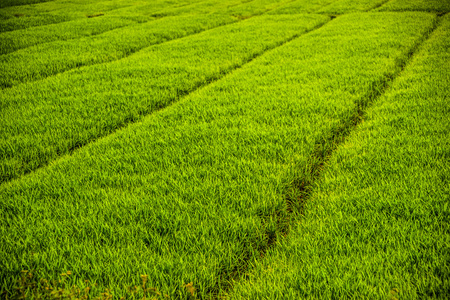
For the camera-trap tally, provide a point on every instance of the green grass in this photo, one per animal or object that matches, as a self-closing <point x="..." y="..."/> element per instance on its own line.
<point x="52" y="122"/>
<point x="29" y="64"/>
<point x="6" y="3"/>
<point x="302" y="6"/>
<point x="21" y="17"/>
<point x="56" y="12"/>
<point x="98" y="21"/>
<point x="350" y="6"/>
<point x="196" y="191"/>
<point x="419" y="5"/>
<point x="377" y="223"/>
<point x="11" y="41"/>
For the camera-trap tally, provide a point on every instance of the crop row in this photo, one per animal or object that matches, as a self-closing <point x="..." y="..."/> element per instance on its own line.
<point x="195" y="192"/>
<point x="20" y="17"/>
<point x="44" y="119"/>
<point x="27" y="147"/>
<point x="79" y="20"/>
<point x="378" y="223"/>
<point x="97" y="21"/>
<point x="48" y="59"/>
<point x="440" y="6"/>
<point x="81" y="42"/>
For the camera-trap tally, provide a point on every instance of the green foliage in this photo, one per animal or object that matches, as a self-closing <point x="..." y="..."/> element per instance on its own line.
<point x="441" y="6"/>
<point x="174" y="154"/>
<point x="302" y="6"/>
<point x="28" y="288"/>
<point x="6" y="3"/>
<point x="127" y="89"/>
<point x="377" y="223"/>
<point x="14" y="40"/>
<point x="29" y="64"/>
<point x="194" y="192"/>
<point x="349" y="6"/>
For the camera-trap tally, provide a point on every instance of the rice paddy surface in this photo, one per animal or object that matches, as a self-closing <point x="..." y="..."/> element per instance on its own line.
<point x="205" y="149"/>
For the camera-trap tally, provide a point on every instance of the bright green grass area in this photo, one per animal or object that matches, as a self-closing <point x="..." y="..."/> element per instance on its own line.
<point x="423" y="5"/>
<point x="71" y="109"/>
<point x="377" y="224"/>
<point x="350" y="6"/>
<point x="195" y="192"/>
<point x="30" y="63"/>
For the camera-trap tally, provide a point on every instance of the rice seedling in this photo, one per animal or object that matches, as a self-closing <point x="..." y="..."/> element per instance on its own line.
<point x="377" y="223"/>
<point x="440" y="6"/>
<point x="349" y="6"/>
<point x="192" y="195"/>
<point x="30" y="63"/>
<point x="58" y="115"/>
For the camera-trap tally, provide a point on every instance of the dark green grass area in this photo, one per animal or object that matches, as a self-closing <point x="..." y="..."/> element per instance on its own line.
<point x="58" y="11"/>
<point x="6" y="3"/>
<point x="196" y="192"/>
<point x="13" y="40"/>
<point x="102" y="19"/>
<point x="21" y="17"/>
<point x="30" y="64"/>
<point x="377" y="223"/>
<point x="44" y="60"/>
<point x="67" y="111"/>
<point x="302" y="6"/>
<point x="440" y="6"/>
<point x="351" y="6"/>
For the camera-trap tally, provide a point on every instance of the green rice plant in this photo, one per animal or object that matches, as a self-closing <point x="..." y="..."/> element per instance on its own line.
<point x="30" y="63"/>
<point x="377" y="223"/>
<point x="21" y="17"/>
<point x="11" y="41"/>
<point x="302" y="6"/>
<point x="59" y="115"/>
<point x="22" y="21"/>
<point x="350" y="6"/>
<point x="6" y="3"/>
<point x="440" y="6"/>
<point x="193" y="194"/>
<point x="91" y="24"/>
<point x="255" y="7"/>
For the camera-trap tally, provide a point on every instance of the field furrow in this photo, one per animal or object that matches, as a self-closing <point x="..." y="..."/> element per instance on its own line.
<point x="30" y="64"/>
<point x="377" y="223"/>
<point x="195" y="192"/>
<point x="67" y="111"/>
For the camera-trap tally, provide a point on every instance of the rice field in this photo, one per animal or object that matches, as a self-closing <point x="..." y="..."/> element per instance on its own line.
<point x="205" y="149"/>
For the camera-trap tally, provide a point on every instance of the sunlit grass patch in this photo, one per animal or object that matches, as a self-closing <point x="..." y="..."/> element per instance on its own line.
<point x="377" y="223"/>
<point x="193" y="194"/>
